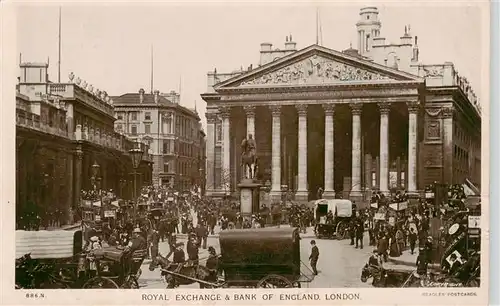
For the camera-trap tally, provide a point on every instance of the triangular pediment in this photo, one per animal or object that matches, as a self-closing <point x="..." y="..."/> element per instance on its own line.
<point x="316" y="65"/>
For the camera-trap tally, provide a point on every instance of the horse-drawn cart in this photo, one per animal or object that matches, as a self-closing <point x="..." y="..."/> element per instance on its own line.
<point x="57" y="259"/>
<point x="261" y="258"/>
<point x="332" y="218"/>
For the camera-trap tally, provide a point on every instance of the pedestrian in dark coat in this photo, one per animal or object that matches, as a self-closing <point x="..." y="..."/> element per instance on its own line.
<point x="192" y="250"/>
<point x="360" y="229"/>
<point x="413" y="239"/>
<point x="313" y="258"/>
<point x="382" y="246"/>
<point x="352" y="231"/>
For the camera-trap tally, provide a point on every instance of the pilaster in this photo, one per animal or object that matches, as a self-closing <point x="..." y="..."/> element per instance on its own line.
<point x="302" y="192"/>
<point x="356" y="109"/>
<point x="329" y="192"/>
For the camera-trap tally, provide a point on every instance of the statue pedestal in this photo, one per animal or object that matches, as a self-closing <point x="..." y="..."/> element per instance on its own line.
<point x="249" y="197"/>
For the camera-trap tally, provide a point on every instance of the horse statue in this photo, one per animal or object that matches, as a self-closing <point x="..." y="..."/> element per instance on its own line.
<point x="249" y="157"/>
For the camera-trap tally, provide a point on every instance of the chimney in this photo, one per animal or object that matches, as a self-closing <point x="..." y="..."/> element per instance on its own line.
<point x="415" y="51"/>
<point x="266" y="47"/>
<point x="290" y="45"/>
<point x="141" y="95"/>
<point x="406" y="39"/>
<point x="157" y="96"/>
<point x="265" y="53"/>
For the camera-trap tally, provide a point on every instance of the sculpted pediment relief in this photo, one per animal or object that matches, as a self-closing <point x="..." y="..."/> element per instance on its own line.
<point x="315" y="70"/>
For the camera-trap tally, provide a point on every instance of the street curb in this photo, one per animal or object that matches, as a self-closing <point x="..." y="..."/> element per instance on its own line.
<point x="401" y="262"/>
<point x="409" y="263"/>
<point x="70" y="227"/>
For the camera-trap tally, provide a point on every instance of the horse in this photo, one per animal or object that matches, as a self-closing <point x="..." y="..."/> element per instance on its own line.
<point x="249" y="162"/>
<point x="386" y="277"/>
<point x="199" y="272"/>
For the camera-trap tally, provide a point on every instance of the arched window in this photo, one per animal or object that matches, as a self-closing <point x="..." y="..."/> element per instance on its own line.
<point x="367" y="42"/>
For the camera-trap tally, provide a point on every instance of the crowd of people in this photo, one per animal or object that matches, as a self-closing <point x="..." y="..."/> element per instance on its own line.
<point x="392" y="232"/>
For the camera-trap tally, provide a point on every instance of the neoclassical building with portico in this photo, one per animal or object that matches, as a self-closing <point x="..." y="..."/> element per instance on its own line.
<point x="348" y="122"/>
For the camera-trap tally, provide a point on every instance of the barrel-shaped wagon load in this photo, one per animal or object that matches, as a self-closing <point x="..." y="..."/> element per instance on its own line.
<point x="249" y="255"/>
<point x="48" y="244"/>
<point x="340" y="207"/>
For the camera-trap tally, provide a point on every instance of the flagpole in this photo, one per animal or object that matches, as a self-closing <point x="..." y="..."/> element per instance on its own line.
<point x="59" y="59"/>
<point x="152" y="70"/>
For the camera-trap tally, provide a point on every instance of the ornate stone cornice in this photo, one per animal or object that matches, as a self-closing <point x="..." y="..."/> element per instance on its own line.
<point x="413" y="107"/>
<point x="447" y="112"/>
<point x="275" y="110"/>
<point x="329" y="109"/>
<point x="301" y="109"/>
<point x="211" y="118"/>
<point x="249" y="110"/>
<point x="384" y="108"/>
<point x="316" y="69"/>
<point x="356" y="108"/>
<point x="225" y="112"/>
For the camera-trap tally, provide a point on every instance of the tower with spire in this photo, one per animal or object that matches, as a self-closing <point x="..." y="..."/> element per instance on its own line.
<point x="368" y="28"/>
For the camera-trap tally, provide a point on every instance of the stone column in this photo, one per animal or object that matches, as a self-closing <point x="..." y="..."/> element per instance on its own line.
<point x="302" y="192"/>
<point x="356" y="151"/>
<point x="329" y="192"/>
<point x="411" y="183"/>
<point x="447" y="115"/>
<point x="210" y="153"/>
<point x="250" y="112"/>
<point x="77" y="177"/>
<point x="276" y="153"/>
<point x="384" y="146"/>
<point x="70" y="120"/>
<point x="226" y="149"/>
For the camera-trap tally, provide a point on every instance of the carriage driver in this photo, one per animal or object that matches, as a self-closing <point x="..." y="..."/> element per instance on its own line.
<point x="137" y="242"/>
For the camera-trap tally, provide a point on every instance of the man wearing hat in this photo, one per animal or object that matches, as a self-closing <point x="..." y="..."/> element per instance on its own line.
<point x="193" y="250"/>
<point x="172" y="242"/>
<point x="179" y="255"/>
<point x="375" y="260"/>
<point x="313" y="258"/>
<point x="137" y="242"/>
<point x="422" y="262"/>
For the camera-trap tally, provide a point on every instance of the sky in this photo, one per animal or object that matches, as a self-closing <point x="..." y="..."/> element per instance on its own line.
<point x="109" y="45"/>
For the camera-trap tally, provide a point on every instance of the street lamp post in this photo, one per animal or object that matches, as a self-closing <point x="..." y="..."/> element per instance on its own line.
<point x="96" y="184"/>
<point x="123" y="182"/>
<point x="136" y="155"/>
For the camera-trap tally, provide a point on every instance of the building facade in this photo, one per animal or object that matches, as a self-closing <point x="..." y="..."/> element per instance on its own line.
<point x="171" y="131"/>
<point x="62" y="129"/>
<point x="348" y="122"/>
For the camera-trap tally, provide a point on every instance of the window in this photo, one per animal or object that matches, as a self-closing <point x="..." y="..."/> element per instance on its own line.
<point x="169" y="125"/>
<point x="147" y="116"/>
<point x="119" y="127"/>
<point x="219" y="132"/>
<point x="166" y="146"/>
<point x="133" y="130"/>
<point x="166" y="167"/>
<point x="134" y="115"/>
<point x="367" y="42"/>
<point x="147" y="128"/>
<point x="119" y="116"/>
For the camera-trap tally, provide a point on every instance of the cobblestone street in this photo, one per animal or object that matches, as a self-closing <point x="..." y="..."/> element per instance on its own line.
<point x="339" y="264"/>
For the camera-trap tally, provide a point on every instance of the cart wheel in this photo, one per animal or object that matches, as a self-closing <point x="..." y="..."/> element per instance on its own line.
<point x="472" y="283"/>
<point x="341" y="230"/>
<point x="130" y="283"/>
<point x="54" y="285"/>
<point x="274" y="281"/>
<point x="100" y="283"/>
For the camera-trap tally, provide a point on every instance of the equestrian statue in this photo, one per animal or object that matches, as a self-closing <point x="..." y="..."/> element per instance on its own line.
<point x="249" y="157"/>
